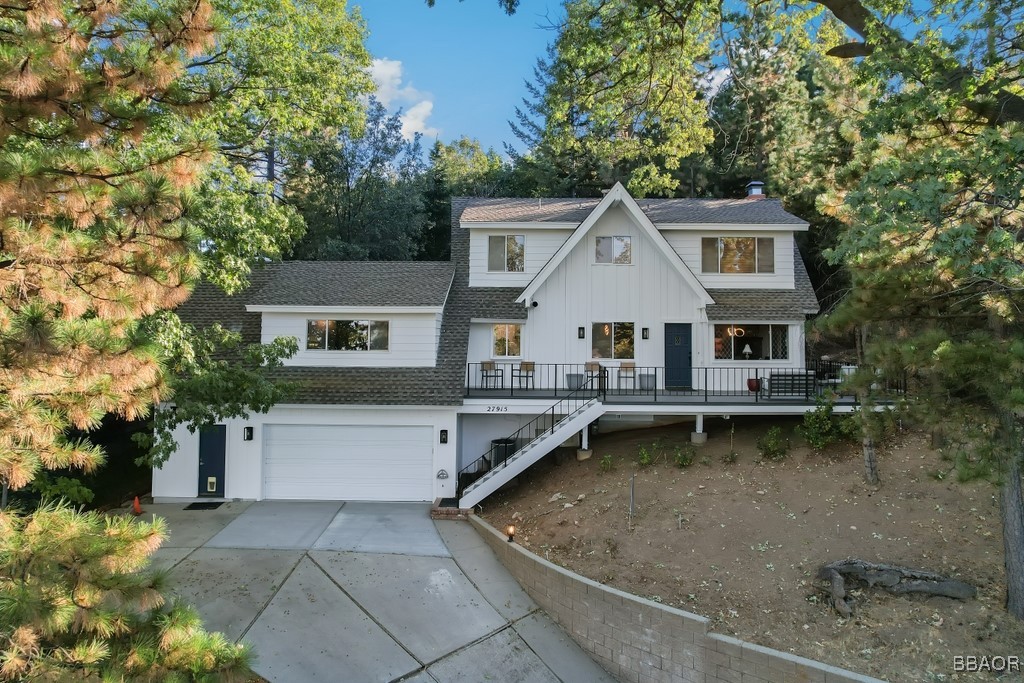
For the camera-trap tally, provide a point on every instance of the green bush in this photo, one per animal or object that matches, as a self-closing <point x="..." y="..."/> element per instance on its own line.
<point x="772" y="446"/>
<point x="606" y="463"/>
<point x="644" y="457"/>
<point x="820" y="427"/>
<point x="684" y="455"/>
<point x="731" y="457"/>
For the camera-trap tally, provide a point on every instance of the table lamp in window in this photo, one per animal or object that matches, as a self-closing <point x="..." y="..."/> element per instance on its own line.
<point x="746" y="351"/>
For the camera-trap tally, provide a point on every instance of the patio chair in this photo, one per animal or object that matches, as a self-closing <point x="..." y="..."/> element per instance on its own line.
<point x="525" y="373"/>
<point x="491" y="376"/>
<point x="627" y="372"/>
<point x="597" y="371"/>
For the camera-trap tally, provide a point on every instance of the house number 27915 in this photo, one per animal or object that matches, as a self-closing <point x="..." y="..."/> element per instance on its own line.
<point x="497" y="409"/>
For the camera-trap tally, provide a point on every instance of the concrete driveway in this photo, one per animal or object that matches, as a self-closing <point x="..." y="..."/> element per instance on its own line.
<point x="363" y="592"/>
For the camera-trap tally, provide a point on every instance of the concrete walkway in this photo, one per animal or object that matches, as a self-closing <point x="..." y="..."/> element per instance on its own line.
<point x="363" y="592"/>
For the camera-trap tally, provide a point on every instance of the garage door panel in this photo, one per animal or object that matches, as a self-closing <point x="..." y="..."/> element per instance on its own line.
<point x="347" y="462"/>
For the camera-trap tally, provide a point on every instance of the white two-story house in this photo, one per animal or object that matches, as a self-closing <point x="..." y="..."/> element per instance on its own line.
<point x="420" y="381"/>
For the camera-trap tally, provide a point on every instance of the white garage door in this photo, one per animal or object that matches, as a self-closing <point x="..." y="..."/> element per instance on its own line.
<point x="331" y="462"/>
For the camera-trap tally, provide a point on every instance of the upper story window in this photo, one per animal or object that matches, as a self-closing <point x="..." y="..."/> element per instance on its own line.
<point x="612" y="340"/>
<point x="752" y="342"/>
<point x="737" y="254"/>
<point x="613" y="250"/>
<point x="347" y="335"/>
<point x="506" y="253"/>
<point x="507" y="339"/>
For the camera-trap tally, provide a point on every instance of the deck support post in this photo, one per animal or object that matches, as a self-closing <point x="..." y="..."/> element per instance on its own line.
<point x="585" y="438"/>
<point x="698" y="435"/>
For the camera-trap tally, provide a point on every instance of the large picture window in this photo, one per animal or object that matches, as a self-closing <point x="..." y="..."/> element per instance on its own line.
<point x="506" y="253"/>
<point x="347" y="335"/>
<point x="613" y="250"/>
<point x="752" y="342"/>
<point x="507" y="338"/>
<point x="737" y="254"/>
<point x="612" y="340"/>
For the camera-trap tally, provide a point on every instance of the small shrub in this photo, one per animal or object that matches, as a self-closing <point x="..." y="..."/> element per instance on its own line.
<point x="772" y="446"/>
<point x="731" y="457"/>
<point x="644" y="457"/>
<point x="706" y="461"/>
<point x="820" y="427"/>
<point x="606" y="464"/>
<point x="684" y="455"/>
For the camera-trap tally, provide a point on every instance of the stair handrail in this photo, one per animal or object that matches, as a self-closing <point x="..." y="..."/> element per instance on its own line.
<point x="491" y="462"/>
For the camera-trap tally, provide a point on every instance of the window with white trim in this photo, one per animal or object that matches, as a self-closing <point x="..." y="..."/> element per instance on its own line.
<point x="617" y="250"/>
<point x="347" y="335"/>
<point x="612" y="340"/>
<point x="506" y="253"/>
<point x="751" y="342"/>
<point x="507" y="339"/>
<point x="737" y="254"/>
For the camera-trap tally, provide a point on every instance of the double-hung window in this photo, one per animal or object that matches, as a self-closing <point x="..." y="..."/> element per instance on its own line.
<point x="737" y="254"/>
<point x="751" y="342"/>
<point x="618" y="250"/>
<point x="347" y="335"/>
<point x="612" y="340"/>
<point x="507" y="337"/>
<point x="506" y="253"/>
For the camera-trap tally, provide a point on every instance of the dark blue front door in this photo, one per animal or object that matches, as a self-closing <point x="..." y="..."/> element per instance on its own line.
<point x="212" y="444"/>
<point x="678" y="356"/>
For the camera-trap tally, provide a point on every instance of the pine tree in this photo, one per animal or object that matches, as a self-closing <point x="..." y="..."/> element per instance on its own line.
<point x="114" y="133"/>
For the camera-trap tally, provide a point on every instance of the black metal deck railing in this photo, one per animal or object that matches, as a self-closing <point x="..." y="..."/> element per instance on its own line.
<point x="630" y="383"/>
<point x="502" y="449"/>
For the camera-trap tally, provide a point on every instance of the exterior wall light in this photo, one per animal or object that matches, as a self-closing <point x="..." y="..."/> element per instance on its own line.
<point x="444" y="436"/>
<point x="645" y="333"/>
<point x="581" y="332"/>
<point x="247" y="434"/>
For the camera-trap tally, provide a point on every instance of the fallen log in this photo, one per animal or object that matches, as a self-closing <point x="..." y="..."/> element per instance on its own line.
<point x="896" y="580"/>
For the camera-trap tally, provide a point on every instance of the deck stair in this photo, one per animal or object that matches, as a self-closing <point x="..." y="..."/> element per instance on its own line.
<point x="557" y="428"/>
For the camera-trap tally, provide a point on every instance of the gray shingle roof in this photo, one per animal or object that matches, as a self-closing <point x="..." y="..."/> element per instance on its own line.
<point x="766" y="304"/>
<point x="728" y="211"/>
<point x="498" y="303"/>
<point x="355" y="283"/>
<point x="208" y="305"/>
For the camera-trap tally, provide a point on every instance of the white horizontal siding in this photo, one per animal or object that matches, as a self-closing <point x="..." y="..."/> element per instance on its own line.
<point x="412" y="340"/>
<point x="687" y="245"/>
<point x="540" y="245"/>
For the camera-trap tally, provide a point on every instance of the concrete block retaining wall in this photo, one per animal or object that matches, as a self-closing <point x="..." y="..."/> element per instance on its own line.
<point x="641" y="641"/>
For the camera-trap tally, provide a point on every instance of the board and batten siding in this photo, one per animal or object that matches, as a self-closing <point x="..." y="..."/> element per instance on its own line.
<point x="687" y="244"/>
<point x="412" y="340"/>
<point x="540" y="246"/>
<point x="648" y="292"/>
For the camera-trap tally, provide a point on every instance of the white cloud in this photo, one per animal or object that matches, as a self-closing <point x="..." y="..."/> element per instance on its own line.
<point x="393" y="94"/>
<point x="414" y="120"/>
<point x="714" y="79"/>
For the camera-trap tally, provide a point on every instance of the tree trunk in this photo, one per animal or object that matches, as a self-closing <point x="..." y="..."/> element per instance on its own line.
<point x="867" y="439"/>
<point x="1011" y="503"/>
<point x="870" y="456"/>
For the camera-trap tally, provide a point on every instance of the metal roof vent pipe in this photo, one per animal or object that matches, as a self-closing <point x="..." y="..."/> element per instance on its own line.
<point x="755" y="190"/>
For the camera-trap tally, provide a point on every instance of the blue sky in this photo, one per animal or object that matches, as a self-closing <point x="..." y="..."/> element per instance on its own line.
<point x="457" y="68"/>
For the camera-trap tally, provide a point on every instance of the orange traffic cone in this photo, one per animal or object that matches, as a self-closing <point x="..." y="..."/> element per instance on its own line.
<point x="136" y="507"/>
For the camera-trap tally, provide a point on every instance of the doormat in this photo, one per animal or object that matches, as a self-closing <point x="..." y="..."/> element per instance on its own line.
<point x="203" y="506"/>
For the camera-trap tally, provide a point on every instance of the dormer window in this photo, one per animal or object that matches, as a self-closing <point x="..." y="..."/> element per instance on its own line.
<point x="613" y="250"/>
<point x="737" y="255"/>
<point x="506" y="253"/>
